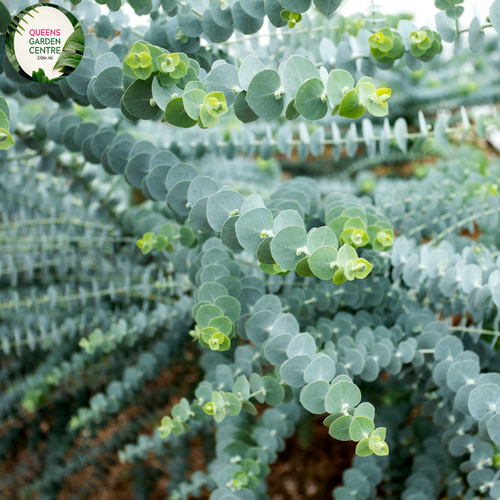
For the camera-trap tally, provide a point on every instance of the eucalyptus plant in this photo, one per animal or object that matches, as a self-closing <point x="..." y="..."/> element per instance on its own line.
<point x="193" y="244"/>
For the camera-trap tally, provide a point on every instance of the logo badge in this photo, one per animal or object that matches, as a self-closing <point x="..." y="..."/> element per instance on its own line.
<point x="45" y="43"/>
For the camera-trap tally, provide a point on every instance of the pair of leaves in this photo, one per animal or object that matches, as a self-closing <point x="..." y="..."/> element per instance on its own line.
<point x="162" y="241"/>
<point x="222" y="404"/>
<point x="201" y="107"/>
<point x="352" y="102"/>
<point x="216" y="334"/>
<point x="326" y="263"/>
<point x="386" y="45"/>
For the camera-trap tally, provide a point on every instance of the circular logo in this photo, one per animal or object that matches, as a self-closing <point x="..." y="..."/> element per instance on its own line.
<point x="45" y="43"/>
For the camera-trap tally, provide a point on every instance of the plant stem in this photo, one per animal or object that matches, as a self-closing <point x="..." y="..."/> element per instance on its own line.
<point x="484" y="26"/>
<point x="260" y="391"/>
<point x="276" y="33"/>
<point x="115" y="183"/>
<point x="472" y="330"/>
<point x="194" y="11"/>
<point x="462" y="223"/>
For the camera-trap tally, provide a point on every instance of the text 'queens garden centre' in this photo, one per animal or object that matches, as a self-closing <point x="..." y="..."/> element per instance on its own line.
<point x="45" y="41"/>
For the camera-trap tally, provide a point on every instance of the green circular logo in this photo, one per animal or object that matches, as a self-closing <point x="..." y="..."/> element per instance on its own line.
<point x="45" y="43"/>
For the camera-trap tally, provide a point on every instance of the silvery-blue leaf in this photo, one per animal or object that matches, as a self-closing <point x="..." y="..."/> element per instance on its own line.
<point x="483" y="400"/>
<point x="321" y="367"/>
<point x="292" y="370"/>
<point x="301" y="344"/>
<point x="313" y="396"/>
<point x="275" y="348"/>
<point x="462" y="373"/>
<point x="285" y="323"/>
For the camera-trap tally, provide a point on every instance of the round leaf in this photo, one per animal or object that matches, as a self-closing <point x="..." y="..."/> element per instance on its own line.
<point x="310" y="100"/>
<point x="313" y="396"/>
<point x="261" y="95"/>
<point x="340" y="428"/>
<point x="292" y="370"/>
<point x="285" y="244"/>
<point x="321" y="367"/>
<point x="361" y="428"/>
<point x="323" y="262"/>
<point x="341" y="396"/>
<point x="252" y="226"/>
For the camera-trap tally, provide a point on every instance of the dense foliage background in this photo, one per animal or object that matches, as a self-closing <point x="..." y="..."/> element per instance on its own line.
<point x="249" y="249"/>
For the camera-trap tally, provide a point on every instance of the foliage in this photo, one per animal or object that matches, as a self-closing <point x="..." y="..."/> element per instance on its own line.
<point x="254" y="272"/>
